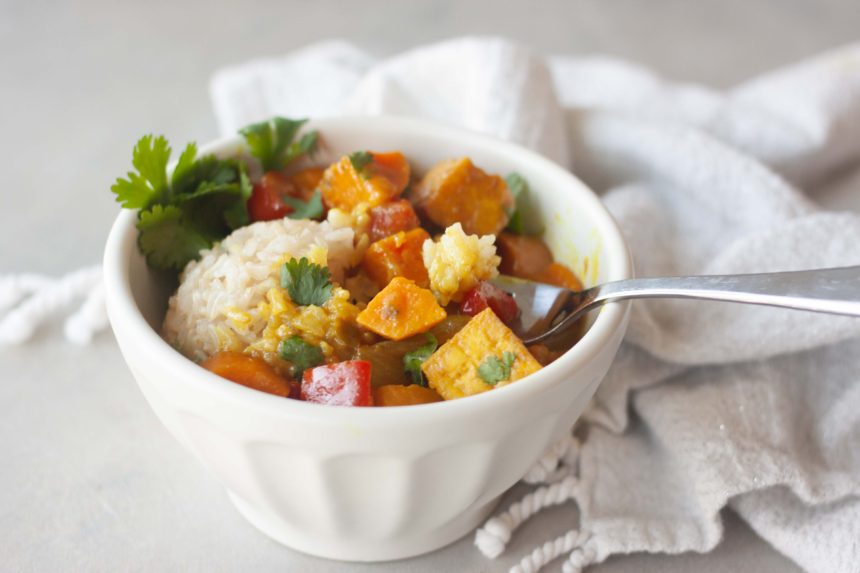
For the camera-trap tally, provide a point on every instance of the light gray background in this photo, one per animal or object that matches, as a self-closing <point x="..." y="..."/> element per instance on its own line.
<point x="89" y="479"/>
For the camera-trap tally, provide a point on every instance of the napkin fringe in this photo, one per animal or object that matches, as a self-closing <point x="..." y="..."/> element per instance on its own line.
<point x="557" y="470"/>
<point x="29" y="300"/>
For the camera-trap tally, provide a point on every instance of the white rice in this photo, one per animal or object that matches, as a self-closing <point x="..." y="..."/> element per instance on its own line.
<point x="235" y="275"/>
<point x="456" y="262"/>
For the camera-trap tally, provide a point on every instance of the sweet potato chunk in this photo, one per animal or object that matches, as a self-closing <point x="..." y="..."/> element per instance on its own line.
<point x="400" y="310"/>
<point x="366" y="177"/>
<point x="397" y="395"/>
<point x="457" y="368"/>
<point x="455" y="191"/>
<point x="248" y="371"/>
<point x="559" y="275"/>
<point x="397" y="256"/>
<point x="306" y="181"/>
<point x="391" y="218"/>
<point x="522" y="256"/>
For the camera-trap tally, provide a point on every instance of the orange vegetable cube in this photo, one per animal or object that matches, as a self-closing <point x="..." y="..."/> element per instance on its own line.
<point x="391" y="218"/>
<point x="397" y="256"/>
<point x="371" y="178"/>
<point x="543" y="354"/>
<point x="401" y="310"/>
<point x="248" y="371"/>
<point x="455" y="191"/>
<point x="397" y="395"/>
<point x="559" y="275"/>
<point x="306" y="181"/>
<point x="522" y="256"/>
<point x="457" y="368"/>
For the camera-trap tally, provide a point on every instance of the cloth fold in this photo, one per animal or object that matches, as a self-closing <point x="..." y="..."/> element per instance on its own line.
<point x="708" y="405"/>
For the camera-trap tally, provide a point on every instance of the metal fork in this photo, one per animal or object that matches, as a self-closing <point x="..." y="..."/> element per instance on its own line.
<point x="547" y="311"/>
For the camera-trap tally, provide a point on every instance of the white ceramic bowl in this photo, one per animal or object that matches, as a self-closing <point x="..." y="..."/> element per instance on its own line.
<point x="368" y="484"/>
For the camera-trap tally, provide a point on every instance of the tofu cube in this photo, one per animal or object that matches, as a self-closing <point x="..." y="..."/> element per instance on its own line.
<point x="453" y="369"/>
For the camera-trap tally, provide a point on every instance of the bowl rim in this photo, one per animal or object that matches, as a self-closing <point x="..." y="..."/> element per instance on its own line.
<point x="122" y="308"/>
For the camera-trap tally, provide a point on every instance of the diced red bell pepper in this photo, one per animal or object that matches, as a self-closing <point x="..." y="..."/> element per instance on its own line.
<point x="265" y="203"/>
<point x="391" y="218"/>
<point x="295" y="391"/>
<point x="341" y="384"/>
<point x="487" y="294"/>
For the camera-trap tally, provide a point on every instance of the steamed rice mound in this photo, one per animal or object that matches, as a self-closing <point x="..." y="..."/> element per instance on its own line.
<point x="231" y="299"/>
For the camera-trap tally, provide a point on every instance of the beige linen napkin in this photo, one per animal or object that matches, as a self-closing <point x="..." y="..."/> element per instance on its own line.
<point x="708" y="405"/>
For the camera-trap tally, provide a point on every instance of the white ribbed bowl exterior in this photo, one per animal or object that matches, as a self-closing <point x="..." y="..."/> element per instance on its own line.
<point x="375" y="484"/>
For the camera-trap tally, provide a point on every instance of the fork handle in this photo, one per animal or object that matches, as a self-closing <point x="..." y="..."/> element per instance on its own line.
<point x="834" y="291"/>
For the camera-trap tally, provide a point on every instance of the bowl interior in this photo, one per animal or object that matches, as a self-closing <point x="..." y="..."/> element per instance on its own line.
<point x="578" y="230"/>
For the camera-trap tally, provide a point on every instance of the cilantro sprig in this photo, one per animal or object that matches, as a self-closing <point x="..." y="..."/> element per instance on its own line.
<point x="522" y="221"/>
<point x="205" y="198"/>
<point x="413" y="360"/>
<point x="306" y="282"/>
<point x="361" y="161"/>
<point x="494" y="370"/>
<point x="199" y="204"/>
<point x="301" y="354"/>
<point x="272" y="142"/>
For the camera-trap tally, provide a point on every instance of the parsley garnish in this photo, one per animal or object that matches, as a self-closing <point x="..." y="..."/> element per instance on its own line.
<point x="310" y="209"/>
<point x="271" y="142"/>
<point x="360" y="161"/>
<point x="306" y="282"/>
<point x="301" y="354"/>
<point x="201" y="203"/>
<point x="521" y="222"/>
<point x="412" y="361"/>
<point x="492" y="370"/>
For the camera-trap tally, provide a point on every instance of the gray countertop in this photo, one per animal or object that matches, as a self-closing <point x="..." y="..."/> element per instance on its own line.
<point x="91" y="481"/>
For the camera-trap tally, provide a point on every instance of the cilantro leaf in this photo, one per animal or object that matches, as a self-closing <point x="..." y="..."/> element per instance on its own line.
<point x="149" y="184"/>
<point x="150" y="158"/>
<point x="207" y="172"/>
<point x="307" y="144"/>
<point x="237" y="215"/>
<point x="493" y="370"/>
<point x="268" y="140"/>
<point x="185" y="163"/>
<point x="523" y="220"/>
<point x="307" y="283"/>
<point x="302" y="355"/>
<point x="166" y="239"/>
<point x="360" y="161"/>
<point x="213" y="194"/>
<point x="310" y="209"/>
<point x="412" y="361"/>
<point x="134" y="192"/>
